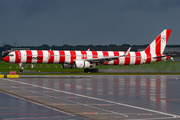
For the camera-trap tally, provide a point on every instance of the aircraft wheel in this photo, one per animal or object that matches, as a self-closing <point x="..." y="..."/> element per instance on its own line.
<point x="93" y="70"/>
<point x="21" y="70"/>
<point x="97" y="70"/>
<point x="90" y="70"/>
<point x="86" y="70"/>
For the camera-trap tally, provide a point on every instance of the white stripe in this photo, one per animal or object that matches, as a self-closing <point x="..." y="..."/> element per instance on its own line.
<point x="12" y="59"/>
<point x="34" y="54"/>
<point x="121" y="59"/>
<point x="67" y="57"/>
<point x="132" y="86"/>
<point x="89" y="54"/>
<point x="45" y="56"/>
<point x="56" y="56"/>
<point x="163" y="42"/>
<point x="100" y="54"/>
<point x="61" y="55"/>
<point x="78" y="55"/>
<point x="143" y="86"/>
<point x="153" y="47"/>
<point x="110" y="55"/>
<point x="153" y="59"/>
<point x="23" y="56"/>
<point x="132" y="58"/>
<point x="143" y="58"/>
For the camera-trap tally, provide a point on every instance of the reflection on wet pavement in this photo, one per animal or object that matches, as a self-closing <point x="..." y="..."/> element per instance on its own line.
<point x="101" y="97"/>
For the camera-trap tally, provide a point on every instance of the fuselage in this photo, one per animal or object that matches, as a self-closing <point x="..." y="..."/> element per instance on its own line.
<point x="68" y="57"/>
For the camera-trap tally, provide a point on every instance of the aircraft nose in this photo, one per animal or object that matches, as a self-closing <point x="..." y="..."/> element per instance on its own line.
<point x="6" y="59"/>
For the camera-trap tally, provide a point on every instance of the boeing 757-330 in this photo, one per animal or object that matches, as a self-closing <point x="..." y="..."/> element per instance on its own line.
<point x="89" y="59"/>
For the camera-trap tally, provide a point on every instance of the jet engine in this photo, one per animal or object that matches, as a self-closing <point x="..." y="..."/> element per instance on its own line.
<point x="81" y="64"/>
<point x="67" y="66"/>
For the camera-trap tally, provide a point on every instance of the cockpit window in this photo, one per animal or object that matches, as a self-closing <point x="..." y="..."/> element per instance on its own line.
<point x="10" y="55"/>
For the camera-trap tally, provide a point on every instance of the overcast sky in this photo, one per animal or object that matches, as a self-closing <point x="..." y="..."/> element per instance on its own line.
<point x="84" y="22"/>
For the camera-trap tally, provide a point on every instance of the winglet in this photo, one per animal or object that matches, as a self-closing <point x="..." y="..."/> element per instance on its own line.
<point x="127" y="52"/>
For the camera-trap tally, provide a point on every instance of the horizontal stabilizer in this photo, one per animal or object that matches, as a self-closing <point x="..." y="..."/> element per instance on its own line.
<point x="159" y="56"/>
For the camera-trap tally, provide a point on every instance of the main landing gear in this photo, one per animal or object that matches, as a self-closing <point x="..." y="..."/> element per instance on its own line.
<point x="91" y="70"/>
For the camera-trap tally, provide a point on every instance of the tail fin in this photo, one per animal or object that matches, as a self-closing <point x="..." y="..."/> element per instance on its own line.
<point x="159" y="44"/>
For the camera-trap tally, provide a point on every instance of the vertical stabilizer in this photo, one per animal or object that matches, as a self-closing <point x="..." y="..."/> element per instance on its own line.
<point x="159" y="44"/>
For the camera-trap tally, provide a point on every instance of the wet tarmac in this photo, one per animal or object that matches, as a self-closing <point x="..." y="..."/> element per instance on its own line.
<point x="15" y="108"/>
<point x="101" y="97"/>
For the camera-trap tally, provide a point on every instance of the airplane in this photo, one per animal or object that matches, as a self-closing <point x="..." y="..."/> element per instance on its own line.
<point x="89" y="59"/>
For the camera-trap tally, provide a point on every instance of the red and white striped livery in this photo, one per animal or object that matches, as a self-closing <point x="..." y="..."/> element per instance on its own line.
<point x="87" y="59"/>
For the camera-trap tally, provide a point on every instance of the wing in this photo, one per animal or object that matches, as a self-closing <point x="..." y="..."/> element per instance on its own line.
<point x="106" y="59"/>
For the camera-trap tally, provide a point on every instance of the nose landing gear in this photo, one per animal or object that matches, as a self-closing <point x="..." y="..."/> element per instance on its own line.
<point x="21" y="70"/>
<point x="21" y="67"/>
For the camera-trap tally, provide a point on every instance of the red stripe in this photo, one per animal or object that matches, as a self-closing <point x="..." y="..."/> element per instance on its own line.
<point x="158" y="90"/>
<point x="127" y="87"/>
<point x="29" y="56"/>
<point x="84" y="55"/>
<point x="39" y="56"/>
<point x="51" y="56"/>
<point x="148" y="60"/>
<point x="62" y="56"/>
<point x="158" y="59"/>
<point x="138" y="58"/>
<point x="148" y="54"/>
<point x="158" y="45"/>
<point x="147" y="49"/>
<point x="148" y="88"/>
<point x="18" y="56"/>
<point x="168" y="32"/>
<point x="127" y="59"/>
<point x="94" y="54"/>
<point x="105" y="53"/>
<point x="73" y="56"/>
<point x="138" y="85"/>
<point x="116" y="86"/>
<point x="116" y="62"/>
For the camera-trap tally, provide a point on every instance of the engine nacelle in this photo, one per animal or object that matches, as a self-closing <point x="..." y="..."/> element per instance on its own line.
<point x="81" y="64"/>
<point x="67" y="66"/>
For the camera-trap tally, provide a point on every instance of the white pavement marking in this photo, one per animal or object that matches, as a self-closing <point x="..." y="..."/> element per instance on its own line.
<point x="37" y="104"/>
<point x="112" y="102"/>
<point x="86" y="105"/>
